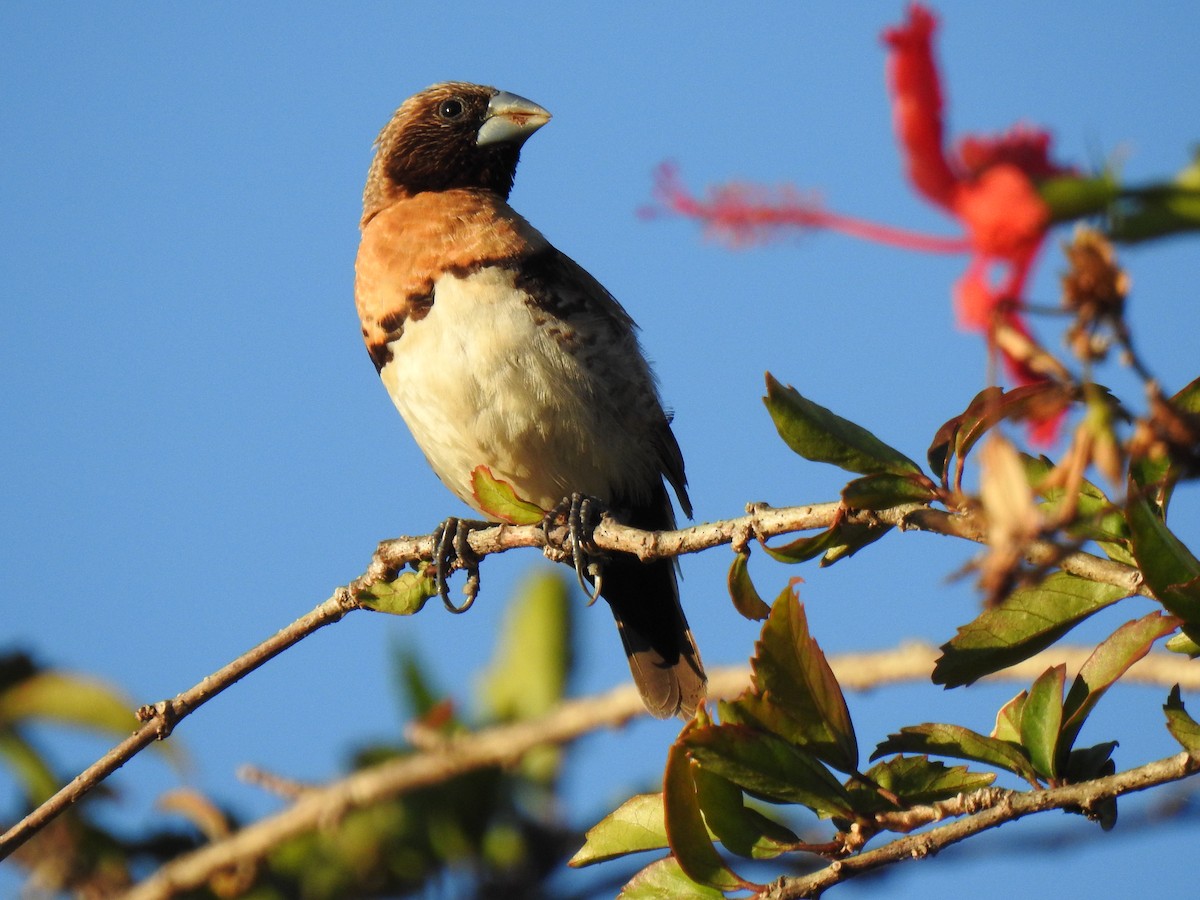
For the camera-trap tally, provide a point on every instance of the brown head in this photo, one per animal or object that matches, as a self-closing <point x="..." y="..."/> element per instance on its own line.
<point x="451" y="135"/>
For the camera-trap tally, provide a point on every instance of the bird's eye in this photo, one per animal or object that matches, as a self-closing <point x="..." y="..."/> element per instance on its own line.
<point x="450" y="109"/>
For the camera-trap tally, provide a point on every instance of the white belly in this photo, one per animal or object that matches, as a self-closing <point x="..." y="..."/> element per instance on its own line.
<point x="478" y="383"/>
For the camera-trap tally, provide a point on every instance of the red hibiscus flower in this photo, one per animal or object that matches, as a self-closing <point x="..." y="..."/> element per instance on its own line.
<point x="988" y="184"/>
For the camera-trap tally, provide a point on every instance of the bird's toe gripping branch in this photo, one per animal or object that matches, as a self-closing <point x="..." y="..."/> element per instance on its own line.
<point x="581" y="514"/>
<point x="452" y="550"/>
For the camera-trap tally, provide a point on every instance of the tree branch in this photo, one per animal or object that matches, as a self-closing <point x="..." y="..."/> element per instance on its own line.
<point x="504" y="744"/>
<point x="159" y="719"/>
<point x="1006" y="806"/>
<point x="762" y="522"/>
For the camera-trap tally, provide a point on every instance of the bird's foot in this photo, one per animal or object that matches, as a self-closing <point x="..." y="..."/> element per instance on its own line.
<point x="452" y="550"/>
<point x="581" y="514"/>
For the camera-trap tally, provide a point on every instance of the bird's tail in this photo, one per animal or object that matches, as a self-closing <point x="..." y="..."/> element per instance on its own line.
<point x="658" y="643"/>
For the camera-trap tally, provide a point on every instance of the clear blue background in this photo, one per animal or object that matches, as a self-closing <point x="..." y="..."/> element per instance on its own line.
<point x="196" y="449"/>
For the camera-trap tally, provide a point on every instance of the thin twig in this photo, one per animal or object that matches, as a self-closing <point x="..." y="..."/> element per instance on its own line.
<point x="161" y="718"/>
<point x="1007" y="806"/>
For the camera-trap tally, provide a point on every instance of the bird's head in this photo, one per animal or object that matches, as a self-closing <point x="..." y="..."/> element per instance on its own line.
<point x="452" y="135"/>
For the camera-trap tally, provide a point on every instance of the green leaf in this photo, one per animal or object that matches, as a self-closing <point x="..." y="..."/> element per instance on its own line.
<point x="499" y="499"/>
<point x="1096" y="517"/>
<point x="1108" y="662"/>
<point x="636" y="825"/>
<point x="822" y="436"/>
<point x="915" y="780"/>
<point x="413" y="682"/>
<point x="1072" y="197"/>
<point x="769" y="768"/>
<point x="740" y="829"/>
<point x="803" y="549"/>
<point x="405" y="595"/>
<point x="850" y="538"/>
<point x="1028" y="620"/>
<point x="1159" y="210"/>
<point x="29" y="767"/>
<point x="70" y="699"/>
<point x="1008" y="719"/>
<point x="958" y="743"/>
<point x="1041" y="721"/>
<point x="686" y="831"/>
<point x="745" y="597"/>
<point x="794" y="682"/>
<point x="1185" y="644"/>
<point x="1182" y="726"/>
<point x="1171" y="571"/>
<point x="840" y="541"/>
<point x="885" y="490"/>
<point x="665" y="880"/>
<point x="527" y="676"/>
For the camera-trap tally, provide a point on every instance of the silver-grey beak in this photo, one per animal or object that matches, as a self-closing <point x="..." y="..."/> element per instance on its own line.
<point x="510" y="119"/>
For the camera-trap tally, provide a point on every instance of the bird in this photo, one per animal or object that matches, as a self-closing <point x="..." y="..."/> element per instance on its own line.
<point x="499" y="350"/>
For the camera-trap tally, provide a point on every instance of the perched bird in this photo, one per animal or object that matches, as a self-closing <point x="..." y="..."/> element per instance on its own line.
<point x="500" y="351"/>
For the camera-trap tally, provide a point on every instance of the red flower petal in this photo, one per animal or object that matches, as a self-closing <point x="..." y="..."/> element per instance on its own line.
<point x="917" y="105"/>
<point x="974" y="299"/>
<point x="1024" y="147"/>
<point x="1003" y="212"/>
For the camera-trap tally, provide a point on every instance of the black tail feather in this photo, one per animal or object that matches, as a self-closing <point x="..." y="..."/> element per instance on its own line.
<point x="662" y="654"/>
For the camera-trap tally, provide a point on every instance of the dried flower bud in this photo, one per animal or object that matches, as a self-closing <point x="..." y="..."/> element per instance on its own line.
<point x="1095" y="287"/>
<point x="1013" y="520"/>
<point x="1168" y="432"/>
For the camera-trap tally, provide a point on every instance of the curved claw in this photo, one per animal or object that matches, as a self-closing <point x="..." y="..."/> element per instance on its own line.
<point x="581" y="521"/>
<point x="452" y="549"/>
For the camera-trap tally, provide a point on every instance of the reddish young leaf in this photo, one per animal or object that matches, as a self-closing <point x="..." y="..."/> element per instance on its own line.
<point x="792" y="677"/>
<point x="1008" y="719"/>
<point x="1108" y="662"/>
<point x="499" y="499"/>
<point x="988" y="408"/>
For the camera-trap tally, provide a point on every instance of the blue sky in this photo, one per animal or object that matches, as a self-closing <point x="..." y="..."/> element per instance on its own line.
<point x="197" y="447"/>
